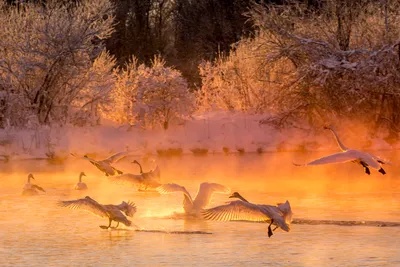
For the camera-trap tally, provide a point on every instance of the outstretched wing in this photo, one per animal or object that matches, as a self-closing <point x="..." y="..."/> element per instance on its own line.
<point x="87" y="204"/>
<point x="381" y="160"/>
<point x="156" y="174"/>
<point x="206" y="190"/>
<point x="116" y="157"/>
<point x="236" y="211"/>
<point x="174" y="188"/>
<point x="93" y="161"/>
<point x="127" y="179"/>
<point x="340" y="157"/>
<point x="37" y="187"/>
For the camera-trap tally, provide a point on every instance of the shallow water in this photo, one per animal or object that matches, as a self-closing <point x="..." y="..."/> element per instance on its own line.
<point x="35" y="231"/>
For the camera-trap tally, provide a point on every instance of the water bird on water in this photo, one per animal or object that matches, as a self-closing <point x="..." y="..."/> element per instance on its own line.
<point x="105" y="165"/>
<point x="202" y="199"/>
<point x="112" y="212"/>
<point x="81" y="185"/>
<point x="242" y="210"/>
<point x="31" y="189"/>
<point x="155" y="174"/>
<point x="350" y="155"/>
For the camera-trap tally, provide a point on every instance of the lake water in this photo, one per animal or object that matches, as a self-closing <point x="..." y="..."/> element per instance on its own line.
<point x="34" y="231"/>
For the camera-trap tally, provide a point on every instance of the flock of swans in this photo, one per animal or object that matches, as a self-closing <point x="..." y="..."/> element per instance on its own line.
<point x="279" y="215"/>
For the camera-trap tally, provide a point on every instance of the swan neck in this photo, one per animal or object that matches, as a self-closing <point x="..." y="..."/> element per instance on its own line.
<point x="242" y="198"/>
<point x="342" y="147"/>
<point x="80" y="177"/>
<point x="140" y="166"/>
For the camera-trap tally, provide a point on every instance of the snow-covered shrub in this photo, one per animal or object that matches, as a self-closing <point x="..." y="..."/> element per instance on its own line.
<point x="46" y="53"/>
<point x="155" y="95"/>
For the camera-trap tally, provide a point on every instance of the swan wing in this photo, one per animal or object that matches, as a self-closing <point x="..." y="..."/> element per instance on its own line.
<point x="206" y="190"/>
<point x="93" y="161"/>
<point x="127" y="179"/>
<point x="174" y="188"/>
<point x="340" y="157"/>
<point x="381" y="160"/>
<point x="156" y="173"/>
<point x="117" y="157"/>
<point x="236" y="211"/>
<point x="37" y="187"/>
<point x="87" y="204"/>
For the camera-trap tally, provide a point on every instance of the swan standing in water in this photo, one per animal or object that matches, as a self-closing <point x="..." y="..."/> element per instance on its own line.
<point x="31" y="189"/>
<point x="242" y="210"/>
<point x="105" y="165"/>
<point x="145" y="181"/>
<point x="350" y="155"/>
<point x="112" y="212"/>
<point x="80" y="185"/>
<point x="202" y="199"/>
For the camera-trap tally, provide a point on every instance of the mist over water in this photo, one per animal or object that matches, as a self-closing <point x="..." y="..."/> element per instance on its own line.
<point x="35" y="231"/>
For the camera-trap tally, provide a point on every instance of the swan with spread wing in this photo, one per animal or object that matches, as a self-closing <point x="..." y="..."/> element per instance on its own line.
<point x="112" y="212"/>
<point x="350" y="155"/>
<point x="106" y="165"/>
<point x="30" y="189"/>
<point x="155" y="174"/>
<point x="202" y="199"/>
<point x="145" y="181"/>
<point x="242" y="210"/>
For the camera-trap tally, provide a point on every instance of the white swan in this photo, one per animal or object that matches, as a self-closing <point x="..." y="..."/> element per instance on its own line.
<point x="242" y="210"/>
<point x="156" y="174"/>
<point x="145" y="181"/>
<point x="202" y="199"/>
<point x="350" y="155"/>
<point x="112" y="212"/>
<point x="81" y="185"/>
<point x="31" y="189"/>
<point x="105" y="165"/>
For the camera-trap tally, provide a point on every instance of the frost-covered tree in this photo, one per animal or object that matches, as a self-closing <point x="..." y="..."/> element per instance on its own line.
<point x="311" y="70"/>
<point x="155" y="95"/>
<point x="94" y="100"/>
<point x="46" y="52"/>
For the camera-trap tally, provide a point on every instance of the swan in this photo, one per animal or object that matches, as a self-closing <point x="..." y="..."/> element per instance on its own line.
<point x="280" y="215"/>
<point x="350" y="155"/>
<point x="153" y="173"/>
<point x="112" y="212"/>
<point x="202" y="199"/>
<point x="141" y="182"/>
<point x="31" y="189"/>
<point x="105" y="165"/>
<point x="145" y="181"/>
<point x="80" y="185"/>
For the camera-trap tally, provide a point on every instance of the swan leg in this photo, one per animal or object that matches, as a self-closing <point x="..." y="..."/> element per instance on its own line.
<point x="276" y="227"/>
<point x="366" y="169"/>
<point x="269" y="229"/>
<point x="106" y="227"/>
<point x="381" y="170"/>
<point x="117" y="225"/>
<point x="118" y="171"/>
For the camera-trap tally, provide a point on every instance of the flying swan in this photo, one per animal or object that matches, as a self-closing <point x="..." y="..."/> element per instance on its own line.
<point x="105" y="165"/>
<point x="81" y="185"/>
<point x="202" y="199"/>
<point x="242" y="210"/>
<point x="350" y="155"/>
<point x="112" y="212"/>
<point x="31" y="189"/>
